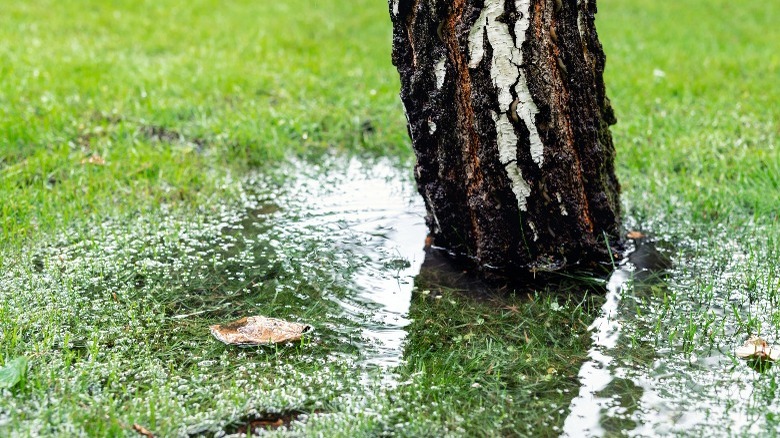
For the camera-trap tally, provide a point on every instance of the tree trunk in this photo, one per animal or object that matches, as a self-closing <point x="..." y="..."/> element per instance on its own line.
<point x="509" y="121"/>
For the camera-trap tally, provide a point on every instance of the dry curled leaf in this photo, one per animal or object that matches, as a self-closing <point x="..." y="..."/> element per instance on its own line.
<point x="757" y="348"/>
<point x="258" y="330"/>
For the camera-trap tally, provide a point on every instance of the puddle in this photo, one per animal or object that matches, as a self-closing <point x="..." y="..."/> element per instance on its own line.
<point x="370" y="212"/>
<point x="342" y="240"/>
<point x="588" y="408"/>
<point x="123" y="306"/>
<point x="662" y="361"/>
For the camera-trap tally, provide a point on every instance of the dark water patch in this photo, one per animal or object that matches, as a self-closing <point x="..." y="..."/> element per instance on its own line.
<point x="254" y="423"/>
<point x="440" y="272"/>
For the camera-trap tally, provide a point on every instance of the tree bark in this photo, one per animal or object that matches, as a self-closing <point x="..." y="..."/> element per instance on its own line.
<point x="509" y="121"/>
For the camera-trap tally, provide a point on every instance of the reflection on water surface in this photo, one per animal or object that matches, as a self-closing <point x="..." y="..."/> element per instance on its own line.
<point x="371" y="212"/>
<point x="662" y="360"/>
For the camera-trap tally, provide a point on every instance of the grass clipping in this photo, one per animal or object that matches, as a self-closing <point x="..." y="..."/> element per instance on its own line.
<point x="258" y="330"/>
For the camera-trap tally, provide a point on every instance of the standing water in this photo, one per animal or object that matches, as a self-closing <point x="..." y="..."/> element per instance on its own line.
<point x="595" y="374"/>
<point x="372" y="212"/>
<point x="662" y="360"/>
<point x="123" y="304"/>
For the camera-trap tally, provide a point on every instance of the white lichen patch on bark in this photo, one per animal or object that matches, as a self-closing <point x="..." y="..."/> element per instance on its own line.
<point x="526" y="109"/>
<point x="507" y="139"/>
<point x="560" y="201"/>
<point x="507" y="154"/>
<point x="580" y="18"/>
<point x="509" y="79"/>
<point x="431" y="127"/>
<point x="441" y="72"/>
<point x="477" y="40"/>
<point x="395" y="8"/>
<point x="433" y="213"/>
<point x="533" y="228"/>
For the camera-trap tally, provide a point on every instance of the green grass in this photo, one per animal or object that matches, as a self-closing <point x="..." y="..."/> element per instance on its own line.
<point x="247" y="83"/>
<point x="193" y="105"/>
<point x="707" y="131"/>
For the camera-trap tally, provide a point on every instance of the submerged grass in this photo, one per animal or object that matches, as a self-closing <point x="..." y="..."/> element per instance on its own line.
<point x="112" y="271"/>
<point x="117" y="316"/>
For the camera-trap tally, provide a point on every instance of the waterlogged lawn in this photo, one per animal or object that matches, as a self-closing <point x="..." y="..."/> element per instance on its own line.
<point x="148" y="190"/>
<point x="117" y="315"/>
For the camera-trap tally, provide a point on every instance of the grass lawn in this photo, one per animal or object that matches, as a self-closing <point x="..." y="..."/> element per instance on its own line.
<point x="148" y="190"/>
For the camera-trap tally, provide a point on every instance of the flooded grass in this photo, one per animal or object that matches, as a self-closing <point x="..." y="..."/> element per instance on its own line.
<point x="114" y="318"/>
<point x="666" y="363"/>
<point x="140" y="203"/>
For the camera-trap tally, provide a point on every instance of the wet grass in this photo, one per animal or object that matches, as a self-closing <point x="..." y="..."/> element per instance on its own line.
<point x="508" y="364"/>
<point x="173" y="95"/>
<point x="116" y="329"/>
<point x="113" y="269"/>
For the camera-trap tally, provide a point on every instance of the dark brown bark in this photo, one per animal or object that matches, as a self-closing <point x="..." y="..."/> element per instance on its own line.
<point x="493" y="195"/>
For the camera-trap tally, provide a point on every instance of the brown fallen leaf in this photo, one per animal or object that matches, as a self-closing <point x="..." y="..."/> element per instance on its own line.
<point x="757" y="348"/>
<point x="268" y="424"/>
<point x="258" y="330"/>
<point x="635" y="235"/>
<point x="94" y="159"/>
<point x="142" y="431"/>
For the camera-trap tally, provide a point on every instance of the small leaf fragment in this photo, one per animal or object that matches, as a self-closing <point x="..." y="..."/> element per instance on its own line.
<point x="142" y="431"/>
<point x="259" y="330"/>
<point x="757" y="348"/>
<point x="96" y="160"/>
<point x="635" y="235"/>
<point x="13" y="372"/>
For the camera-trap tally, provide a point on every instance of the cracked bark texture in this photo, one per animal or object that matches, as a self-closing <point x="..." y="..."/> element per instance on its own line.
<point x="509" y="121"/>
